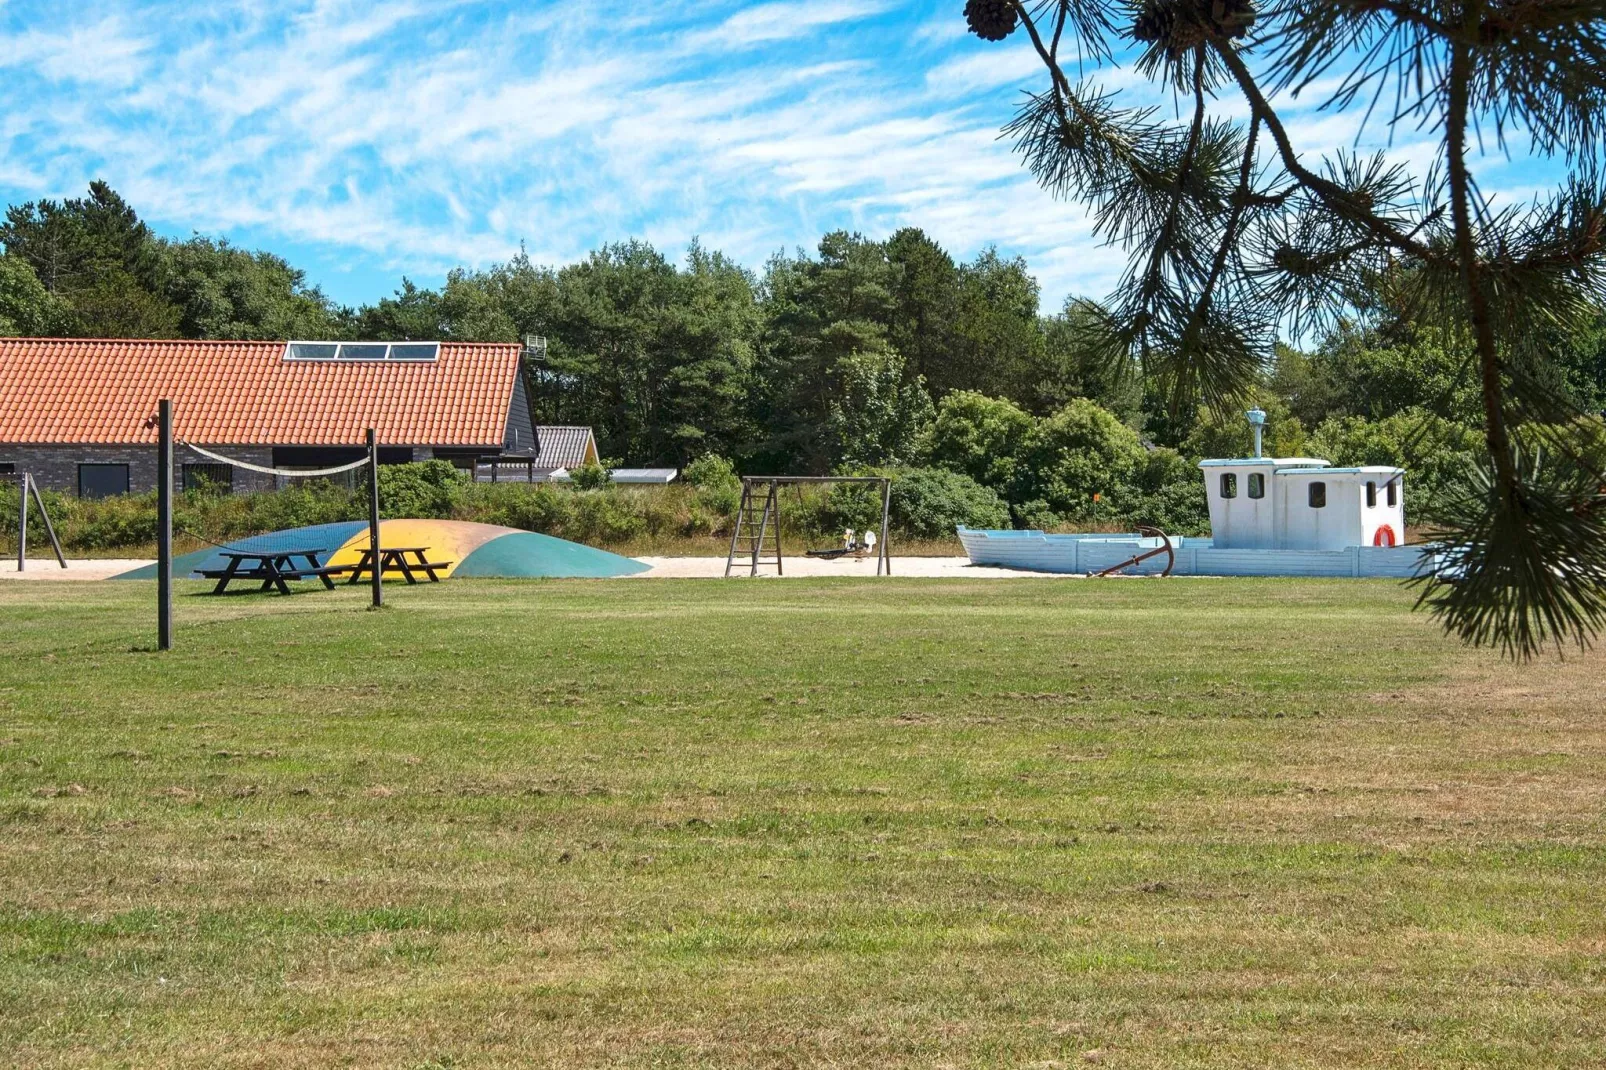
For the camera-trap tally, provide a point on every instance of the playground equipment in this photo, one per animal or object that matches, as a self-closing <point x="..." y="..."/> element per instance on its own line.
<point x="758" y="522"/>
<point x="26" y="487"/>
<point x="466" y="549"/>
<point x="1269" y="516"/>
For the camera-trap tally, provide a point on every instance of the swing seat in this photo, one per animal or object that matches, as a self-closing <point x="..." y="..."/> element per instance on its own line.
<point x="831" y="555"/>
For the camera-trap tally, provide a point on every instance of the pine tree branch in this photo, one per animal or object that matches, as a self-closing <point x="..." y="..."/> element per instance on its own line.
<point x="1334" y="196"/>
<point x="1163" y="244"/>
<point x="1229" y="237"/>
<point x="1457" y="105"/>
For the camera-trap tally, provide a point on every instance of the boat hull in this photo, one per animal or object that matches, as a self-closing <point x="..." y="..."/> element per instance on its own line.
<point x="1081" y="554"/>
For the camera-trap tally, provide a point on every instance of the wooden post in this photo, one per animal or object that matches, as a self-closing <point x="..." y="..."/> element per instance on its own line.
<point x="886" y="511"/>
<point x="164" y="525"/>
<point x="22" y="525"/>
<point x="373" y="518"/>
<point x="44" y="515"/>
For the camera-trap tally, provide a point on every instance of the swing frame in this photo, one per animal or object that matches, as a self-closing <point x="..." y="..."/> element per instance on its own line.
<point x="771" y="491"/>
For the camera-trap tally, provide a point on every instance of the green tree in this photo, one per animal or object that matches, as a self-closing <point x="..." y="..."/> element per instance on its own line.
<point x="878" y="415"/>
<point x="819" y="313"/>
<point x="1437" y="455"/>
<point x="983" y="438"/>
<point x="1078" y="452"/>
<point x="26" y="307"/>
<point x="224" y="292"/>
<point x="1073" y="365"/>
<point x="925" y="287"/>
<point x="998" y="344"/>
<point x="97" y="256"/>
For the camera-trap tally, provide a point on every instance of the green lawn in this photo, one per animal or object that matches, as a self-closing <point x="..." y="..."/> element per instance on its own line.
<point x="800" y="823"/>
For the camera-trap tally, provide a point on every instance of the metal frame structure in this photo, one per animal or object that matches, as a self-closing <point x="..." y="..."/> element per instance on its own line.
<point x="755" y="534"/>
<point x="25" y="487"/>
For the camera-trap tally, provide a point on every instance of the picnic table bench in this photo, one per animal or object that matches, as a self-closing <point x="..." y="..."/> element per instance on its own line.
<point x="274" y="568"/>
<point x="394" y="559"/>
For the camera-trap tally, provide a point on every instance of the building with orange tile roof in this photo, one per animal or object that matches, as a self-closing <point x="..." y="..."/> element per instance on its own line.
<point x="78" y="413"/>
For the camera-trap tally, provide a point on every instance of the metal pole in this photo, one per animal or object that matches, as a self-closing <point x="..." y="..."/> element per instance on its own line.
<point x="22" y="526"/>
<point x="373" y="518"/>
<point x="164" y="525"/>
<point x="44" y="514"/>
<point x="886" y="510"/>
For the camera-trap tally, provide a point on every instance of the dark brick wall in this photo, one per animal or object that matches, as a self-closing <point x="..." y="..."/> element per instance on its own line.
<point x="56" y="467"/>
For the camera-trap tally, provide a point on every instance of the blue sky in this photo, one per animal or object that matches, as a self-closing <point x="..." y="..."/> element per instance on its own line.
<point x="369" y="141"/>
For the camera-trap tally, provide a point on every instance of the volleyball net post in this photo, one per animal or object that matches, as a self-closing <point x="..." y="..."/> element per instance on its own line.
<point x="373" y="519"/>
<point x="164" y="525"/>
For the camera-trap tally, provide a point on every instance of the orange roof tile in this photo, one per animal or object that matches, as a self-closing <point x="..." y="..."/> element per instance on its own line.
<point x="73" y="390"/>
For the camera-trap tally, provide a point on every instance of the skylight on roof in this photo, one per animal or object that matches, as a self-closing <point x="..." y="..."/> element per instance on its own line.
<point x="347" y="352"/>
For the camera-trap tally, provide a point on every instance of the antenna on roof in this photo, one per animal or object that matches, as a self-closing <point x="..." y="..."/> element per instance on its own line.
<point x="1257" y="420"/>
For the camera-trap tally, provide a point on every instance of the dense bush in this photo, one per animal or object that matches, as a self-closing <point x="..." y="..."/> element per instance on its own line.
<point x="717" y="492"/>
<point x="589" y="476"/>
<point x="1080" y="451"/>
<point x="1166" y="492"/>
<point x="929" y="503"/>
<point x="420" y="489"/>
<point x="982" y="438"/>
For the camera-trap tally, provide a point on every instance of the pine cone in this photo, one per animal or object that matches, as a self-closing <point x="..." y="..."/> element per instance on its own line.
<point x="1155" y="21"/>
<point x="991" y="20"/>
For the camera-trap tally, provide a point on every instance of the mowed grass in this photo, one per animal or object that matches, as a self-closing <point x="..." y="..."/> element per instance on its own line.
<point x="801" y="823"/>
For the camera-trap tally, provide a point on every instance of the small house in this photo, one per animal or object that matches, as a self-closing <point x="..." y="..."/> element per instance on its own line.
<point x="78" y="413"/>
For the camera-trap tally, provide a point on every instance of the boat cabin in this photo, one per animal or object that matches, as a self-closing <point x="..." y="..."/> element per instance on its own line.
<point x="1302" y="503"/>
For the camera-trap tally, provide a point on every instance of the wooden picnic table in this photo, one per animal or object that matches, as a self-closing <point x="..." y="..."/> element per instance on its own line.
<point x="394" y="559"/>
<point x="274" y="568"/>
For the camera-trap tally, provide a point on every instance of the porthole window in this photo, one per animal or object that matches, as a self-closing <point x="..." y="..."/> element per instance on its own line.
<point x="1394" y="493"/>
<point x="1257" y="484"/>
<point x="1229" y="485"/>
<point x="1318" y="495"/>
<point x="1371" y="494"/>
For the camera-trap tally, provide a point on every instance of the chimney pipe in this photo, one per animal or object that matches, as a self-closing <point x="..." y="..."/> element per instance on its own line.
<point x="1257" y="420"/>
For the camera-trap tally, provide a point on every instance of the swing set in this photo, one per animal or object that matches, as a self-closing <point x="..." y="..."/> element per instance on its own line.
<point x="756" y="535"/>
<point x="26" y="487"/>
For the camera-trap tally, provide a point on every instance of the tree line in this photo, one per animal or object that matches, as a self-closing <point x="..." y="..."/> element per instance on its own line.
<point x="860" y="354"/>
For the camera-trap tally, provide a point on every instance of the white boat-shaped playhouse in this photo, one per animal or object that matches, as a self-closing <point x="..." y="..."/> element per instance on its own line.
<point x="1269" y="516"/>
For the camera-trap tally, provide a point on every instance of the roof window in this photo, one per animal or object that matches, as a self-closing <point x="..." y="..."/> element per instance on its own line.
<point x="346" y="352"/>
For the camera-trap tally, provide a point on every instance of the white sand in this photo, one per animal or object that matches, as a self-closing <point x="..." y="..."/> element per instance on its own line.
<point x="46" y="568"/>
<point x="714" y="567"/>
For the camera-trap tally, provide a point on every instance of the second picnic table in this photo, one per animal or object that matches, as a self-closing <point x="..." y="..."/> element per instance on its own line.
<point x="394" y="559"/>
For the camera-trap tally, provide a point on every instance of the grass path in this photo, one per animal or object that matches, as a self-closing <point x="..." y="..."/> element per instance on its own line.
<point x="899" y="823"/>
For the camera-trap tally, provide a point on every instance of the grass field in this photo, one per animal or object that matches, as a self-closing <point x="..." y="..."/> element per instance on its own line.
<point x="845" y="823"/>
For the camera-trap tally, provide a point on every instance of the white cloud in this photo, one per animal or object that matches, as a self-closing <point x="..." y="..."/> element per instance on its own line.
<point x="414" y="136"/>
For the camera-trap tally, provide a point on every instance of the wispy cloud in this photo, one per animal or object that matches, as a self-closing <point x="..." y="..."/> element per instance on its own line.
<point x="368" y="141"/>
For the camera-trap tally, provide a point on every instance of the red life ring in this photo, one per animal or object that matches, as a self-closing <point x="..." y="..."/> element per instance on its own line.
<point x="1384" y="536"/>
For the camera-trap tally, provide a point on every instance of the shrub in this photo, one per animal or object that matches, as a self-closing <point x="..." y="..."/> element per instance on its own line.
<point x="711" y="471"/>
<point x="589" y="476"/>
<point x="929" y="503"/>
<point x="1167" y="492"/>
<point x="717" y="494"/>
<point x="602" y="517"/>
<point x="420" y="489"/>
<point x="1080" y="451"/>
<point x="539" y="507"/>
<point x="981" y="437"/>
<point x="1436" y="454"/>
